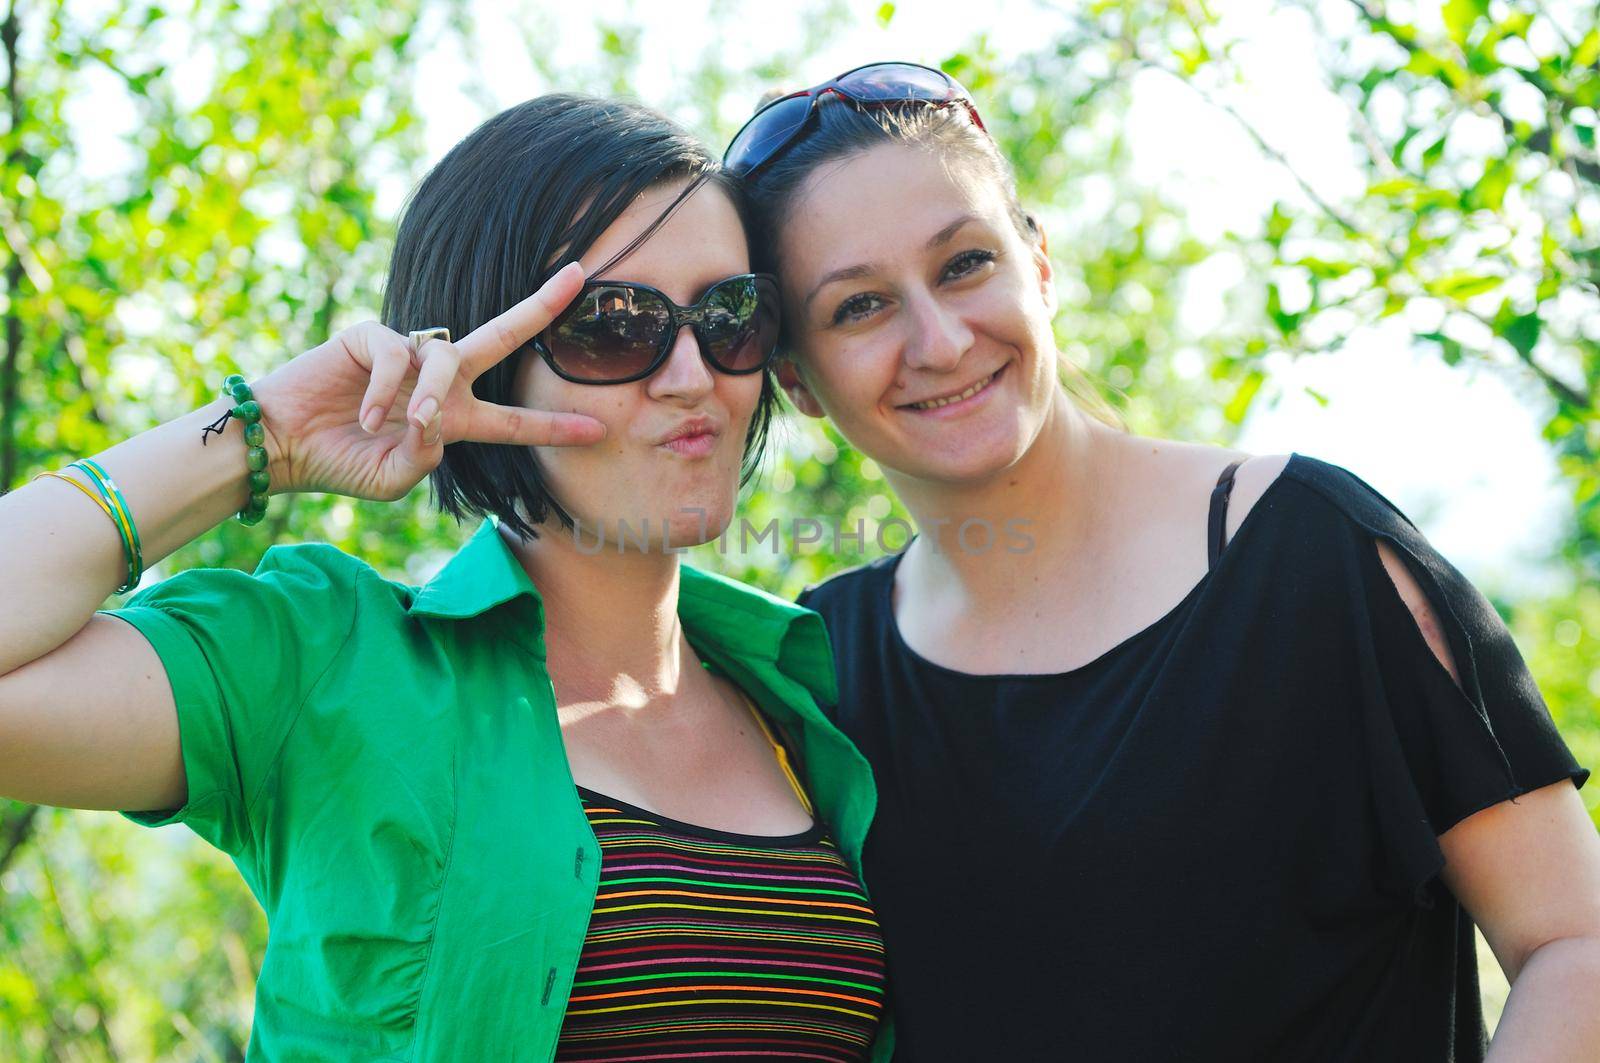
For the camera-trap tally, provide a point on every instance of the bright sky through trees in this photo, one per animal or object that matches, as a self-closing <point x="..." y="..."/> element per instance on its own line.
<point x="1460" y="450"/>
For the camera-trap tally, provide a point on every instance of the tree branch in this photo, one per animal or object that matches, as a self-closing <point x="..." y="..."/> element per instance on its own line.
<point x="13" y="322"/>
<point x="85" y="970"/>
<point x="16" y="833"/>
<point x="1139" y="59"/>
<point x="79" y="359"/>
<point x="1540" y="141"/>
<point x="1562" y="390"/>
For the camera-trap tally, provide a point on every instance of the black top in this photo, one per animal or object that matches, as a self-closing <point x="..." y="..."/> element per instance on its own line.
<point x="1216" y="841"/>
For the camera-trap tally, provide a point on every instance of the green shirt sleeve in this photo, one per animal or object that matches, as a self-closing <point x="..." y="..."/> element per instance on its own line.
<point x="242" y="652"/>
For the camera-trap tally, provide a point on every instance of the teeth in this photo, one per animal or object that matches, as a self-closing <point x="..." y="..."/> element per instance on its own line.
<point x="934" y="404"/>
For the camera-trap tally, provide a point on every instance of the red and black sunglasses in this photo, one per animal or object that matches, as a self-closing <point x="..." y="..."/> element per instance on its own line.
<point x="781" y="122"/>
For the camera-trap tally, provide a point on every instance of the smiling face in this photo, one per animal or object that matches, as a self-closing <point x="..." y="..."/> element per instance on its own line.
<point x="674" y="440"/>
<point x="918" y="314"/>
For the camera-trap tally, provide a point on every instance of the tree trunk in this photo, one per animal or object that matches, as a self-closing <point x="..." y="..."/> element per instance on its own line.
<point x="8" y="368"/>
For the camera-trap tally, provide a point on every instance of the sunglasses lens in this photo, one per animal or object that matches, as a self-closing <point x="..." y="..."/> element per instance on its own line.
<point x="609" y="333"/>
<point x="740" y="329"/>
<point x="885" y="82"/>
<point x="766" y="133"/>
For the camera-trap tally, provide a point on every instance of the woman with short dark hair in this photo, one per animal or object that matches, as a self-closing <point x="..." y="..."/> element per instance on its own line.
<point x="557" y="802"/>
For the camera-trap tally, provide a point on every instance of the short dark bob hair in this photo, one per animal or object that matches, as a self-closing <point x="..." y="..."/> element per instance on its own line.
<point x="528" y="191"/>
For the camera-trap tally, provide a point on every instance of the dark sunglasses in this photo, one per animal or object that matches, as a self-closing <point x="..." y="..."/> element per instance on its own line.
<point x="781" y="122"/>
<point x="614" y="332"/>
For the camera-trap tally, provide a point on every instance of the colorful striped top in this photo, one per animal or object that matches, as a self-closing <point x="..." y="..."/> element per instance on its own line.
<point x="705" y="945"/>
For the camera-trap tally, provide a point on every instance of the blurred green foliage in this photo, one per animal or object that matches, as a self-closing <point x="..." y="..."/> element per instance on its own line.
<point x="245" y="226"/>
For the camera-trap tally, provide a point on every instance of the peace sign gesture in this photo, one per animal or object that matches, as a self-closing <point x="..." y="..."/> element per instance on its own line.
<point x="411" y="402"/>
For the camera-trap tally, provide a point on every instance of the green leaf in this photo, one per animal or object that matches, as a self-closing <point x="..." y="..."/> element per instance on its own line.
<point x="1460" y="15"/>
<point x="1522" y="332"/>
<point x="1392" y="187"/>
<point x="1286" y="322"/>
<point x="1490" y="191"/>
<point x="1192" y="59"/>
<point x="1462" y="285"/>
<point x="1515" y="24"/>
<point x="1277" y="224"/>
<point x="1243" y="396"/>
<point x="1587" y="51"/>
<point x="885" y="13"/>
<point x="1435" y="151"/>
<point x="1323" y="269"/>
<point x="1450" y="350"/>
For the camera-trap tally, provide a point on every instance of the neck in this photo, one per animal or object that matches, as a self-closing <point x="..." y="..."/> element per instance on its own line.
<point x="611" y="618"/>
<point x="1037" y="515"/>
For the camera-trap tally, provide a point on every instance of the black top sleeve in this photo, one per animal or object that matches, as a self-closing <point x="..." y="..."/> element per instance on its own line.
<point x="1438" y="751"/>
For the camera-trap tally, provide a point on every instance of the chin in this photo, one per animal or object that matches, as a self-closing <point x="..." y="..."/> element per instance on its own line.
<point x="964" y="458"/>
<point x="971" y="468"/>
<point x="694" y="522"/>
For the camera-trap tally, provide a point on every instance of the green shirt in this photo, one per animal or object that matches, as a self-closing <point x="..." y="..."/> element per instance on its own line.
<point x="384" y="765"/>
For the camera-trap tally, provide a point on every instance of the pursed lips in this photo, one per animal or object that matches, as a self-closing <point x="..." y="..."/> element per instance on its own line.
<point x="693" y="427"/>
<point x="695" y="438"/>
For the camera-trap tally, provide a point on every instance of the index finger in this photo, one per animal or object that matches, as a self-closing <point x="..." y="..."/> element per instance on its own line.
<point x="499" y="336"/>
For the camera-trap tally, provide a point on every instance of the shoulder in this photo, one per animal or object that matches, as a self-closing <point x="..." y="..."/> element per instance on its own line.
<point x="1317" y="496"/>
<point x="315" y="562"/>
<point x="1421" y="608"/>
<point x="851" y="586"/>
<point x="1349" y="500"/>
<point x="1350" y="495"/>
<point x="323" y="580"/>
<point x="1251" y="480"/>
<point x="300" y="575"/>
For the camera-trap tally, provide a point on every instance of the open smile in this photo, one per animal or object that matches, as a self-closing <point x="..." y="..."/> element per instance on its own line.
<point x="957" y="400"/>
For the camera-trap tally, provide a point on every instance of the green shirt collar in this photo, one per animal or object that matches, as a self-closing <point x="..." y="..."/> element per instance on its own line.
<point x="482" y="574"/>
<point x="729" y="618"/>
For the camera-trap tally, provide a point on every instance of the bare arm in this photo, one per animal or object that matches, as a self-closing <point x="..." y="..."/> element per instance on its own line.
<point x="1528" y="871"/>
<point x="87" y="717"/>
<point x="86" y="713"/>
<point x="63" y="558"/>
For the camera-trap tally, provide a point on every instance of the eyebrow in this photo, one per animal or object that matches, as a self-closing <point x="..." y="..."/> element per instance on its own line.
<point x="939" y="239"/>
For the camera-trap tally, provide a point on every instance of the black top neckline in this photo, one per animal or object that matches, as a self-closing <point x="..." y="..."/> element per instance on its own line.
<point x="1156" y="625"/>
<point x="810" y="836"/>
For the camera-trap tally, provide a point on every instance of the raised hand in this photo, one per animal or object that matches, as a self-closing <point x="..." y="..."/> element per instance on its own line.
<point x="364" y="415"/>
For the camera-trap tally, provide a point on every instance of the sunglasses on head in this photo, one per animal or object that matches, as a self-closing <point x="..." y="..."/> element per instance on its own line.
<point x="781" y="122"/>
<point x="615" y="332"/>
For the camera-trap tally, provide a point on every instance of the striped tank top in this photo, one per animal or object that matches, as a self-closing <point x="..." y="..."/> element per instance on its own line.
<point x="709" y="945"/>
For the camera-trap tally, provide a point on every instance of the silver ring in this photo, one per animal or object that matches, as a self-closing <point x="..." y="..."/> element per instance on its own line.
<point x="423" y="335"/>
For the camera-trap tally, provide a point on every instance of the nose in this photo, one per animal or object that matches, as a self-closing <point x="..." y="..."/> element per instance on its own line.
<point x="939" y="337"/>
<point x="685" y="376"/>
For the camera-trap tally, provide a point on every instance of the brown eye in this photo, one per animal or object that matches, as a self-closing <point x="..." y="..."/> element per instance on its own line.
<point x="968" y="262"/>
<point x="855" y="308"/>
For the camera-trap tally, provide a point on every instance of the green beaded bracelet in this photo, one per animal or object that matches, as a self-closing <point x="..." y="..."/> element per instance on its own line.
<point x="248" y="411"/>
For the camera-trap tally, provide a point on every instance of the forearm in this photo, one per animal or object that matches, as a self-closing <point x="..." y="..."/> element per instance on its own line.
<point x="60" y="557"/>
<point x="1551" y="1013"/>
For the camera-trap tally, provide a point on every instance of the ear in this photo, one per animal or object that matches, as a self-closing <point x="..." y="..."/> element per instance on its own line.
<point x="795" y="388"/>
<point x="1041" y="262"/>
